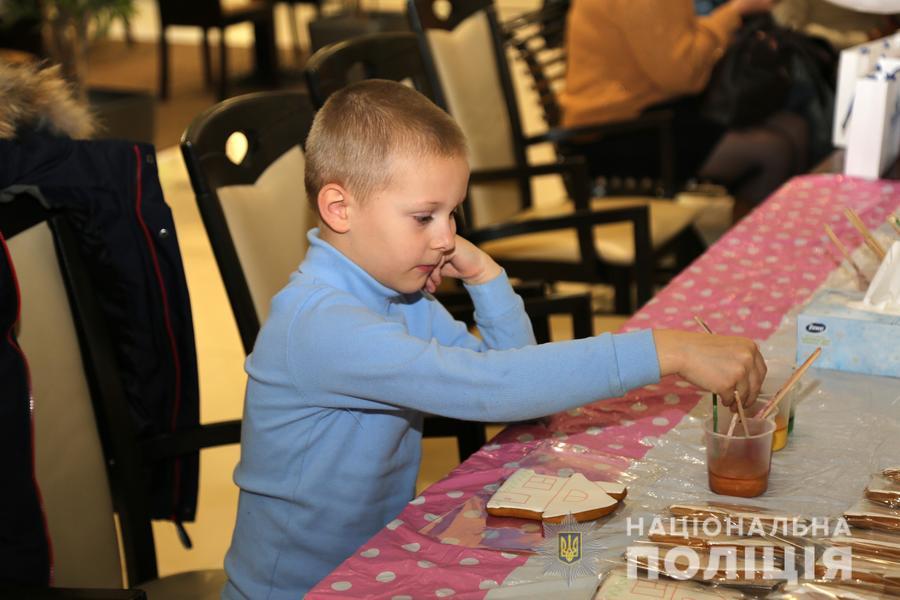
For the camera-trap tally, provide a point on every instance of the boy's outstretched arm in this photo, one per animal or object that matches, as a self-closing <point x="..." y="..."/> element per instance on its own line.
<point x="721" y="364"/>
<point x="717" y="363"/>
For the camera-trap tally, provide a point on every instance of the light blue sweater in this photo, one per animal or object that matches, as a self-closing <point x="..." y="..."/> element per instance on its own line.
<point x="339" y="378"/>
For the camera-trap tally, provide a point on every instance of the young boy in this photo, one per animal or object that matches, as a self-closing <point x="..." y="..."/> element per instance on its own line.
<point x="355" y="348"/>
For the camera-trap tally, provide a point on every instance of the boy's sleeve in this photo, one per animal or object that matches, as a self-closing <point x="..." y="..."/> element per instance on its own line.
<point x="500" y="316"/>
<point x="359" y="360"/>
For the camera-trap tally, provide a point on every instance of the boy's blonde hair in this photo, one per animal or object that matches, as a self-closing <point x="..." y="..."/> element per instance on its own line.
<point x="363" y="127"/>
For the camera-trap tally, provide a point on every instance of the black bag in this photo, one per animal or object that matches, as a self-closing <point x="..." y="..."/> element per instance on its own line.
<point x="753" y="79"/>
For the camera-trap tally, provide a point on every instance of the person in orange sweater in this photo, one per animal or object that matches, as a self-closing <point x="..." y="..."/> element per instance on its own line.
<point x="629" y="56"/>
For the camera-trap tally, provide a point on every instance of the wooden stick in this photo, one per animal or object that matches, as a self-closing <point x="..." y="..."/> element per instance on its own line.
<point x="731" y="426"/>
<point x="740" y="409"/>
<point x="871" y="242"/>
<point x="715" y="399"/>
<point x="895" y="223"/>
<point x="702" y="324"/>
<point x="840" y="246"/>
<point x="773" y="403"/>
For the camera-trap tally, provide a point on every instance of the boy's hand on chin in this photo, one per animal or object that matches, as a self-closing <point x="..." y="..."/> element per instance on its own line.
<point x="467" y="262"/>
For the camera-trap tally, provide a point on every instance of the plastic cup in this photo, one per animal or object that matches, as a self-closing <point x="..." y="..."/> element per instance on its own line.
<point x="738" y="465"/>
<point x="781" y="416"/>
<point x="778" y="372"/>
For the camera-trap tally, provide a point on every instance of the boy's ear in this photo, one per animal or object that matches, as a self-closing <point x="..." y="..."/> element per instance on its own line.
<point x="334" y="207"/>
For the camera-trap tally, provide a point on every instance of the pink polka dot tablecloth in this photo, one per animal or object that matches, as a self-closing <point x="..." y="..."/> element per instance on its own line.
<point x="771" y="262"/>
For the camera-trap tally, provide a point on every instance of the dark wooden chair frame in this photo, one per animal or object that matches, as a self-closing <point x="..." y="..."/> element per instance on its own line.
<point x="592" y="268"/>
<point x="274" y="122"/>
<point x="388" y="55"/>
<point x="126" y="455"/>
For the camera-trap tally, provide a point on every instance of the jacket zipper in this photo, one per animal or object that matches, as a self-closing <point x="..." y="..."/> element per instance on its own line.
<point x="169" y="330"/>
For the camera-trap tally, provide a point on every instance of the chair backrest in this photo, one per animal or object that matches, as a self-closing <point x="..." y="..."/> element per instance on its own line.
<point x="578" y="307"/>
<point x="465" y="58"/>
<point x="536" y="38"/>
<point x="387" y="55"/>
<point x="58" y="332"/>
<point x="253" y="204"/>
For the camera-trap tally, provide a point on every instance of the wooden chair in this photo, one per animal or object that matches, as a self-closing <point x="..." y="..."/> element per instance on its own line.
<point x="208" y="14"/>
<point x="261" y="197"/>
<point x="88" y="461"/>
<point x="536" y="38"/>
<point x="389" y="55"/>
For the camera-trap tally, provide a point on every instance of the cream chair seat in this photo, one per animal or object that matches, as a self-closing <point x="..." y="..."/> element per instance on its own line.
<point x="614" y="243"/>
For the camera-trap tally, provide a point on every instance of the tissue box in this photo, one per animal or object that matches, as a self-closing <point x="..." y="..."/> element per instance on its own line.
<point x="851" y="339"/>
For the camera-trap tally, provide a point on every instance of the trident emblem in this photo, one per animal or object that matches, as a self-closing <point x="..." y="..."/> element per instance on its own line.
<point x="569" y="546"/>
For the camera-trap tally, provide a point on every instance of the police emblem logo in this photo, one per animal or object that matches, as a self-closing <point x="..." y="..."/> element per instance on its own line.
<point x="570" y="549"/>
<point x="569" y="546"/>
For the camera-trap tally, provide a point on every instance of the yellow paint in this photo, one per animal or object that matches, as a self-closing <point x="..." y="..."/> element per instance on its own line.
<point x="779" y="439"/>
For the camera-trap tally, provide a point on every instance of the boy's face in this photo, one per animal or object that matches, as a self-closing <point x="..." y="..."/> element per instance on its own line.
<point x="405" y="230"/>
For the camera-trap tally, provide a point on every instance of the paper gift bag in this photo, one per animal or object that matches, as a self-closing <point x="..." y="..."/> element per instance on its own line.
<point x="855" y="63"/>
<point x="883" y="7"/>
<point x="873" y="141"/>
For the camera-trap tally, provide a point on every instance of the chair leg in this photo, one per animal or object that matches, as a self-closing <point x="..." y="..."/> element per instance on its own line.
<point x="129" y="35"/>
<point x="163" y="65"/>
<point x="469" y="438"/>
<point x="295" y="32"/>
<point x="207" y="60"/>
<point x="265" y="51"/>
<point x="690" y="246"/>
<point x="643" y="279"/>
<point x="223" y="65"/>
<point x="622" y="284"/>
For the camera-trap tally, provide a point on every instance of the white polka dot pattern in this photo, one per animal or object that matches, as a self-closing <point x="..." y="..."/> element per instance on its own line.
<point x="773" y="260"/>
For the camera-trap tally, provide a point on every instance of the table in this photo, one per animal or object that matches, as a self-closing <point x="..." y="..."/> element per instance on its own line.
<point x="758" y="274"/>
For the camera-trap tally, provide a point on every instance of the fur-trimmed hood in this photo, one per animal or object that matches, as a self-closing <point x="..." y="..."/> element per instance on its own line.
<point x="36" y="98"/>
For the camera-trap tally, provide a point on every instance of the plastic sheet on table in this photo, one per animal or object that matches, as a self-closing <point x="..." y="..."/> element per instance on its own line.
<point x="810" y="590"/>
<point x="874" y="573"/>
<point x="892" y="473"/>
<point x="616" y="585"/>
<point x="870" y="543"/>
<point x="701" y="533"/>
<point x="734" y="512"/>
<point x="553" y="457"/>
<point x="470" y="525"/>
<point x="702" y="566"/>
<point x="884" y="491"/>
<point x="813" y="476"/>
<point x="871" y="515"/>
